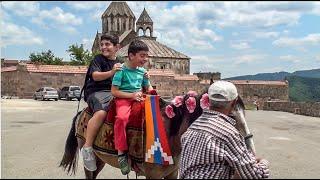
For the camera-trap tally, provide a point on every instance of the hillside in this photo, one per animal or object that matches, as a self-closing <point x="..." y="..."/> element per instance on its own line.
<point x="303" y="85"/>
<point x="313" y="73"/>
<point x="304" y="89"/>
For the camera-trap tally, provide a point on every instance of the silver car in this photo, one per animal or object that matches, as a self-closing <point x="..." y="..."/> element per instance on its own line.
<point x="70" y="92"/>
<point x="46" y="93"/>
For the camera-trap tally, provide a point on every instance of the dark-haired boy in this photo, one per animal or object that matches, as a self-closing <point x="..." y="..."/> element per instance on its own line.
<point x="97" y="91"/>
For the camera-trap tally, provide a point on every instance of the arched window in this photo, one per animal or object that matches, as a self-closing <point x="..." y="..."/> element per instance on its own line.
<point x="148" y="32"/>
<point x="106" y="25"/>
<point x="140" y="32"/>
<point x="118" y="22"/>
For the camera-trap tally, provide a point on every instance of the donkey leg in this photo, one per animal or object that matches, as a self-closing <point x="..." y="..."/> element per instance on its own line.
<point x="100" y="166"/>
<point x="172" y="175"/>
<point x="89" y="174"/>
<point x="93" y="174"/>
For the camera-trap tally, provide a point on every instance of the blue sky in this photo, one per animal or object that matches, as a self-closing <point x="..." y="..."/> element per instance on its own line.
<point x="233" y="38"/>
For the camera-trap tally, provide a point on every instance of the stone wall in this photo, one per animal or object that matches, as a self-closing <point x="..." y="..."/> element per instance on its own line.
<point x="178" y="66"/>
<point x="303" y="108"/>
<point x="23" y="84"/>
<point x="9" y="83"/>
<point x="262" y="92"/>
<point x="208" y="75"/>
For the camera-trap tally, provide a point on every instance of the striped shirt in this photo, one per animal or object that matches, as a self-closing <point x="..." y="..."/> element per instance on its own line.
<point x="213" y="148"/>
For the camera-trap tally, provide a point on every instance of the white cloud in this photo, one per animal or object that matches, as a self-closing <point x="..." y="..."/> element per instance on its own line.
<point x="58" y="19"/>
<point x="204" y="34"/>
<point x="212" y="64"/>
<point x="87" y="5"/>
<point x="4" y="16"/>
<point x="311" y="39"/>
<point x="13" y="34"/>
<point x="96" y="16"/>
<point x="248" y="58"/>
<point x="266" y="34"/>
<point x="240" y="46"/>
<point x="55" y="17"/>
<point x="21" y="8"/>
<point x="285" y="6"/>
<point x="172" y="38"/>
<point x="200" y="44"/>
<point x="58" y="16"/>
<point x="69" y="30"/>
<point x="285" y="32"/>
<point x="290" y="58"/>
<point x="316" y="9"/>
<point x="87" y="43"/>
<point x="252" y="14"/>
<point x="317" y="57"/>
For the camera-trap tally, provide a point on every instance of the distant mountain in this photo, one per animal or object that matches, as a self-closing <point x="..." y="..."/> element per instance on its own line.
<point x="304" y="89"/>
<point x="277" y="76"/>
<point x="313" y="73"/>
<point x="303" y="85"/>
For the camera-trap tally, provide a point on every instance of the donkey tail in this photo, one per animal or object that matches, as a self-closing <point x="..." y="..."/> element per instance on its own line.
<point x="69" y="159"/>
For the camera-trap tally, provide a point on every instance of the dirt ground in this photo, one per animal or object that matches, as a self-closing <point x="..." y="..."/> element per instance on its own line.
<point x="34" y="134"/>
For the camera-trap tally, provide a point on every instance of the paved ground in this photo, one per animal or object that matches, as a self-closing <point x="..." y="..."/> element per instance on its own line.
<point x="34" y="133"/>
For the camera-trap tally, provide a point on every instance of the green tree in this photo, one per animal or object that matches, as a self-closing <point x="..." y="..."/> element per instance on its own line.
<point x="80" y="56"/>
<point x="45" y="57"/>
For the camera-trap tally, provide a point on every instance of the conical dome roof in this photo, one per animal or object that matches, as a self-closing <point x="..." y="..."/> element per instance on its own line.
<point x="144" y="17"/>
<point x="118" y="8"/>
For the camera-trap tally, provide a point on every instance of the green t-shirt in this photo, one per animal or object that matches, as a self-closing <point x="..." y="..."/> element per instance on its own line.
<point x="130" y="80"/>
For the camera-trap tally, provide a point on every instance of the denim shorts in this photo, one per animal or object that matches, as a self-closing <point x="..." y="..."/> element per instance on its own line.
<point x="99" y="100"/>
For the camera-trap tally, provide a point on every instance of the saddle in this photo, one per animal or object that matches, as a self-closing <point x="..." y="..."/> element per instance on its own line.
<point x="105" y="137"/>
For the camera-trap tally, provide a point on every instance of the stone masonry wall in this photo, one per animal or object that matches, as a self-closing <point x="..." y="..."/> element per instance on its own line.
<point x="303" y="108"/>
<point x="23" y="84"/>
<point x="9" y="83"/>
<point x="262" y="93"/>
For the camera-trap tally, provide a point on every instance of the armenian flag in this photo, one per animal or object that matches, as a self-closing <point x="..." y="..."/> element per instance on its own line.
<point x="157" y="146"/>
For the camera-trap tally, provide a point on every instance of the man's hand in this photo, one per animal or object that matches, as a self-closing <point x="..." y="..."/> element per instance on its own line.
<point x="137" y="96"/>
<point x="116" y="67"/>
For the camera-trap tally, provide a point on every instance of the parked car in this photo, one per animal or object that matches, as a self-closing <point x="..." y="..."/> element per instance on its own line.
<point x="70" y="92"/>
<point x="46" y="93"/>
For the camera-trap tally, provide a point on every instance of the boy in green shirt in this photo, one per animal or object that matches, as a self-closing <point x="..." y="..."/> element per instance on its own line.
<point x="127" y="87"/>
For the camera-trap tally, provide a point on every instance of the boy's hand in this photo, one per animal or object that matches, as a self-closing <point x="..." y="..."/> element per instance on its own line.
<point x="116" y="67"/>
<point x="137" y="96"/>
<point x="147" y="75"/>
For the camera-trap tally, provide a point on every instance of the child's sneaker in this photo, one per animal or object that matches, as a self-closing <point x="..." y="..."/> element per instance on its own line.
<point x="89" y="159"/>
<point x="123" y="163"/>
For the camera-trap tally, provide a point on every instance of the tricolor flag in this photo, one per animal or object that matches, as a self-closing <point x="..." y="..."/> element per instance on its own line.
<point x="157" y="146"/>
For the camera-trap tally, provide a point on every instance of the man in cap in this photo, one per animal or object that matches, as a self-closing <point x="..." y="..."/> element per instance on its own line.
<point x="213" y="148"/>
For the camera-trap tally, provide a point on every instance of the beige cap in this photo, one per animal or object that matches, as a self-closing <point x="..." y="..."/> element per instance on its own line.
<point x="226" y="89"/>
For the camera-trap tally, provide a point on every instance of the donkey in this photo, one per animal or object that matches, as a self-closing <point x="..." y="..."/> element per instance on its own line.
<point x="175" y="127"/>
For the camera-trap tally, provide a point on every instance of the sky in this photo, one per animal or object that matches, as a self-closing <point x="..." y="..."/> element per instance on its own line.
<point x="233" y="38"/>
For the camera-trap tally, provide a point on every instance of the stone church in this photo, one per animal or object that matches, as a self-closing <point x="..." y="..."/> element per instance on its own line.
<point x="118" y="19"/>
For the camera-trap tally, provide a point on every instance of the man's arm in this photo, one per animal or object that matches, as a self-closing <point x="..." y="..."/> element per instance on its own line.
<point x="244" y="162"/>
<point x="99" y="76"/>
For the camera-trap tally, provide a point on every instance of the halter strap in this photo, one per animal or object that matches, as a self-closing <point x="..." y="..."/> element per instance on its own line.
<point x="248" y="136"/>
